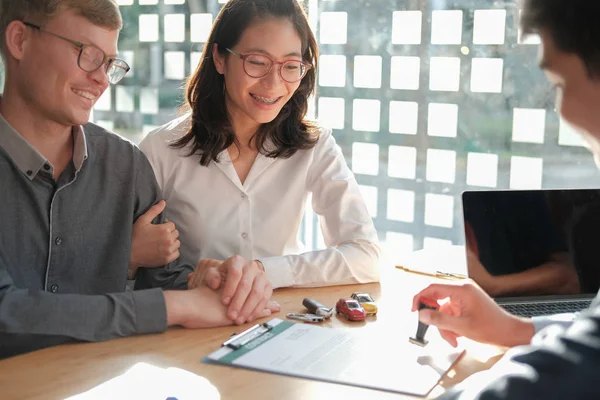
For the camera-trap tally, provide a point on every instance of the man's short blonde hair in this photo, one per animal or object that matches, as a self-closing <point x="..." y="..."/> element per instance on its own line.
<point x="104" y="13"/>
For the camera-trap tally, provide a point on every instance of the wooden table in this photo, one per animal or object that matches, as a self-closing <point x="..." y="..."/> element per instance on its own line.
<point x="63" y="371"/>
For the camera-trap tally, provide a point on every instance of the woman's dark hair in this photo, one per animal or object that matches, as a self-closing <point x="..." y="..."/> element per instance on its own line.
<point x="571" y="24"/>
<point x="210" y="131"/>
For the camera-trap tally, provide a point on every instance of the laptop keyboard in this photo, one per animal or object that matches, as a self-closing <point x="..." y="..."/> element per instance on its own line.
<point x="536" y="309"/>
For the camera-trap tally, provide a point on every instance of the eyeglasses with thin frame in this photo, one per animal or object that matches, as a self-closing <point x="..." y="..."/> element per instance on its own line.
<point x="259" y="65"/>
<point x="91" y="58"/>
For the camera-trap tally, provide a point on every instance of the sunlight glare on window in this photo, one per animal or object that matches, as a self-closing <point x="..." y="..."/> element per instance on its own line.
<point x="332" y="112"/>
<point x="401" y="205"/>
<point x="406" y="27"/>
<point x="148" y="28"/>
<point x="367" y="72"/>
<point x="402" y="162"/>
<point x="442" y="120"/>
<point x="526" y="172"/>
<point x="439" y="210"/>
<point x="446" y="27"/>
<point x="489" y="26"/>
<point x="365" y="158"/>
<point x="482" y="169"/>
<point x="486" y="75"/>
<point x="404" y="116"/>
<point x="405" y="73"/>
<point x="333" y="27"/>
<point x="366" y="115"/>
<point x="444" y="74"/>
<point x="441" y="165"/>
<point x="332" y="70"/>
<point x="528" y="125"/>
<point x="174" y="65"/>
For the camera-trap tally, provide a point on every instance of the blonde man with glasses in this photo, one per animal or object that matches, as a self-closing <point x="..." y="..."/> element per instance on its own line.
<point x="71" y="191"/>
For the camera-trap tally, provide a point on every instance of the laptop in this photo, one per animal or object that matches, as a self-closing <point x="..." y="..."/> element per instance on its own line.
<point x="536" y="252"/>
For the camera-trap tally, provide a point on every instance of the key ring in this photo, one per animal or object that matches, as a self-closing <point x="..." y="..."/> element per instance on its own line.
<point x="306" y="317"/>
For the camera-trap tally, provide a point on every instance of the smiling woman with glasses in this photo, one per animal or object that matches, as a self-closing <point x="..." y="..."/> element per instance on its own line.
<point x="237" y="169"/>
<point x="91" y="57"/>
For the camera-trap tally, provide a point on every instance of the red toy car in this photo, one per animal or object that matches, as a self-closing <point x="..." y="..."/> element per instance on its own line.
<point x="351" y="309"/>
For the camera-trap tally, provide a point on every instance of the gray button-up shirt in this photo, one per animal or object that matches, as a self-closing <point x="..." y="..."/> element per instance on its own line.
<point x="65" y="245"/>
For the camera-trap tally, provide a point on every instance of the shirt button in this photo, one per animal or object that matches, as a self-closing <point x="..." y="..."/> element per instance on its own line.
<point x="243" y="196"/>
<point x="58" y="241"/>
<point x="245" y="235"/>
<point x="46" y="167"/>
<point x="54" y="288"/>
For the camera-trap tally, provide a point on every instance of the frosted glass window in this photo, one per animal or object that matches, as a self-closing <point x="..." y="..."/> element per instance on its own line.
<point x="332" y="71"/>
<point x="148" y="2"/>
<point x="124" y="2"/>
<point x="528" y="125"/>
<point x="124" y="97"/>
<point x="149" y="100"/>
<point x="442" y="120"/>
<point x="396" y="244"/>
<point x="129" y="57"/>
<point x="404" y="117"/>
<point x="332" y="112"/>
<point x="104" y="102"/>
<point x="486" y="75"/>
<point x="365" y="115"/>
<point x="529" y="39"/>
<point x="401" y="205"/>
<point x="402" y="162"/>
<point x="174" y="65"/>
<point x="439" y="210"/>
<point x="148" y="27"/>
<point x="446" y="27"/>
<point x="526" y="172"/>
<point x="365" y="158"/>
<point x="174" y="1"/>
<point x="568" y="136"/>
<point x="333" y="27"/>
<point x="195" y="57"/>
<point x="405" y="73"/>
<point x="482" y="169"/>
<point x="431" y="243"/>
<point x="406" y="27"/>
<point x="441" y="165"/>
<point x="369" y="194"/>
<point x="367" y="72"/>
<point x="489" y="26"/>
<point x="200" y="25"/>
<point x="444" y="73"/>
<point x="174" y="28"/>
<point x="108" y="125"/>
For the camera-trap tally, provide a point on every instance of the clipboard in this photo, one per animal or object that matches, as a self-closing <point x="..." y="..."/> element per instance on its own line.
<point x="353" y="357"/>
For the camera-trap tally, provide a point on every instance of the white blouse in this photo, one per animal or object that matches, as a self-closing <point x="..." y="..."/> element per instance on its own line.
<point x="217" y="216"/>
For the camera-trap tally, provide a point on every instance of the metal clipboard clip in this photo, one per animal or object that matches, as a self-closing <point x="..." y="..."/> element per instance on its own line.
<point x="238" y="340"/>
<point x="306" y="317"/>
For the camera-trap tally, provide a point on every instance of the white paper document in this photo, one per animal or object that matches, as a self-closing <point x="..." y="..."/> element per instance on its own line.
<point x="352" y="357"/>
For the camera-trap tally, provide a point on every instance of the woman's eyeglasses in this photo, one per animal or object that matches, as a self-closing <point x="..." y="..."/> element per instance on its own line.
<point x="258" y="65"/>
<point x="92" y="58"/>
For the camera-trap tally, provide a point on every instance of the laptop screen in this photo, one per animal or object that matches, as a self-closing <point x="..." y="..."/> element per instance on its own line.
<point x="533" y="242"/>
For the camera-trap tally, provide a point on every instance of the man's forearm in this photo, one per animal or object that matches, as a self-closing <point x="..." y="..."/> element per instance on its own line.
<point x="37" y="315"/>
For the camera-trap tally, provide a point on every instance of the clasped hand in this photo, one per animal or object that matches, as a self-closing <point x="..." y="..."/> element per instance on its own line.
<point x="244" y="286"/>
